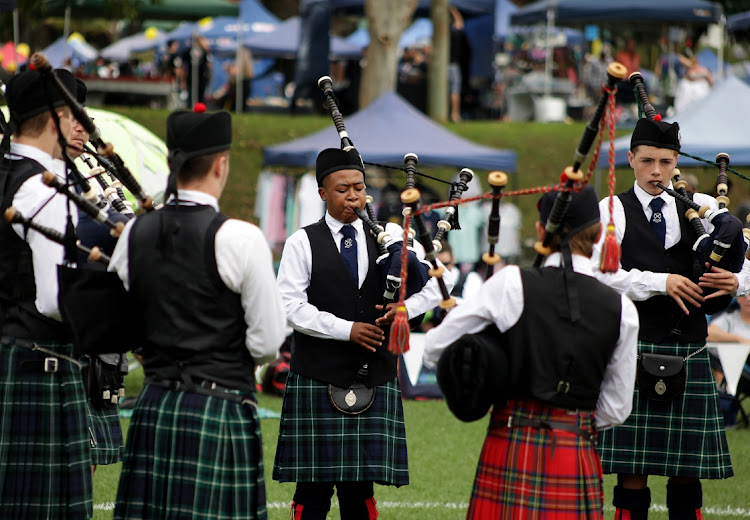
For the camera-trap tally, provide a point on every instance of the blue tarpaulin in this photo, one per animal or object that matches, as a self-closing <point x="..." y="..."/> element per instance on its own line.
<point x="284" y="41"/>
<point x="706" y="129"/>
<point x="584" y="11"/>
<point x="385" y="131"/>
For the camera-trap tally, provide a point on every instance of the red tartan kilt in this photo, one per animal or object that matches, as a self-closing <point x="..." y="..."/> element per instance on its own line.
<point x="519" y="477"/>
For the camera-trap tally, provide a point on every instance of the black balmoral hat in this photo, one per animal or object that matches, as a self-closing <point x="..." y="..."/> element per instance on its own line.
<point x="473" y="374"/>
<point x="31" y="92"/>
<point x="659" y="134"/>
<point x="334" y="159"/>
<point x="582" y="211"/>
<point x="81" y="91"/>
<point x="190" y="134"/>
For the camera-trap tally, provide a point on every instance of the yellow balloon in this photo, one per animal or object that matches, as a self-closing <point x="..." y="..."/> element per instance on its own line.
<point x="152" y="32"/>
<point x="23" y="49"/>
<point x="76" y="37"/>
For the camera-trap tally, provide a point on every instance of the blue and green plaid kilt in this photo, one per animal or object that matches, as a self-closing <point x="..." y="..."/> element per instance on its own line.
<point x="106" y="432"/>
<point x="680" y="438"/>
<point x="536" y="473"/>
<point x="317" y="443"/>
<point x="191" y="456"/>
<point x="45" y="459"/>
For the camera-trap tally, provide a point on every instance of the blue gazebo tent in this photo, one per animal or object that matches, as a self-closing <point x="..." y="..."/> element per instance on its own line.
<point x="385" y="131"/>
<point x="284" y="41"/>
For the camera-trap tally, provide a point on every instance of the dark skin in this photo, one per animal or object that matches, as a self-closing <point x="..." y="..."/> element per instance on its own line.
<point x="344" y="191"/>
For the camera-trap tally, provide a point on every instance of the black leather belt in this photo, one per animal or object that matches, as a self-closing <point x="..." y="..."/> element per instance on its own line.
<point x="48" y="364"/>
<point x="207" y="388"/>
<point x="551" y="426"/>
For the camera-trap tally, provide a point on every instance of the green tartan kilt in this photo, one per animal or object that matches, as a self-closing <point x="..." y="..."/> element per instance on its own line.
<point x="191" y="456"/>
<point x="317" y="443"/>
<point x="106" y="435"/>
<point x="45" y="459"/>
<point x="680" y="438"/>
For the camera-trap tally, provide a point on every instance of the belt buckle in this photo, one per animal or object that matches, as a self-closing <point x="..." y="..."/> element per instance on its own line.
<point x="50" y="365"/>
<point x="510" y="421"/>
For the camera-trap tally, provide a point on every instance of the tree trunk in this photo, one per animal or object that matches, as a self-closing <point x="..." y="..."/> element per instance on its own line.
<point x="387" y="20"/>
<point x="437" y="72"/>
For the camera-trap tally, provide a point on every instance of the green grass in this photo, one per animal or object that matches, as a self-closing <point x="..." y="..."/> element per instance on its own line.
<point x="443" y="454"/>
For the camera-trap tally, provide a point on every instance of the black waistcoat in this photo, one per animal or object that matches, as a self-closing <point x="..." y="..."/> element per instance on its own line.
<point x="642" y="249"/>
<point x="332" y="290"/>
<point x="190" y="315"/>
<point x="554" y="360"/>
<point x="18" y="313"/>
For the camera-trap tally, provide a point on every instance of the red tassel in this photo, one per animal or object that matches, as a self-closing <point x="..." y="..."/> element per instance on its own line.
<point x="372" y="510"/>
<point x="622" y="514"/>
<point x="610" y="259"/>
<point x="398" y="342"/>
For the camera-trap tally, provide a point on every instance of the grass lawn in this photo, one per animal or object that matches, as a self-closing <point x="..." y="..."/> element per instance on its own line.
<point x="443" y="453"/>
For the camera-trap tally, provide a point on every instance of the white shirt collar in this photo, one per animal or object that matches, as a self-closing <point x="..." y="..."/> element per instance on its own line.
<point x="645" y="198"/>
<point x="197" y="197"/>
<point x="56" y="166"/>
<point x="581" y="264"/>
<point x="335" y="226"/>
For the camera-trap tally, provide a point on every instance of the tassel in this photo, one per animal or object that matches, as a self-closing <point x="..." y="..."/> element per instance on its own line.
<point x="398" y="342"/>
<point x="372" y="510"/>
<point x="622" y="514"/>
<point x="610" y="259"/>
<point x="699" y="515"/>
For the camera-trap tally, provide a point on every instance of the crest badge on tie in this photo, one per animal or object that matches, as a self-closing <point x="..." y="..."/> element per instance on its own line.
<point x="657" y="218"/>
<point x="348" y="242"/>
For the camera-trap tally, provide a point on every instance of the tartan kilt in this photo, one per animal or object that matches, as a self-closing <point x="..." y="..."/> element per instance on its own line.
<point x="680" y="438"/>
<point x="45" y="459"/>
<point x="191" y="456"/>
<point x="107" y="444"/>
<point x="520" y="476"/>
<point x="317" y="443"/>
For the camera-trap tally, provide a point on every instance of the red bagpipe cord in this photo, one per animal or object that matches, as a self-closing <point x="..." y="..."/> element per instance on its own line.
<point x="398" y="341"/>
<point x="609" y="261"/>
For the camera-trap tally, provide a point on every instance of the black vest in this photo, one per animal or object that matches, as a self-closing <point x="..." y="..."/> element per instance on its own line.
<point x="191" y="318"/>
<point x="554" y="360"/>
<point x="642" y="249"/>
<point x="18" y="313"/>
<point x="332" y="290"/>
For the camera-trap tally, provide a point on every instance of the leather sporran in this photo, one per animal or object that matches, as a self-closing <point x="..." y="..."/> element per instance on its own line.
<point x="353" y="400"/>
<point x="661" y="377"/>
<point x="103" y="379"/>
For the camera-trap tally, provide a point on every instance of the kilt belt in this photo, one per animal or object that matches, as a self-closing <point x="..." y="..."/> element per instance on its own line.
<point x="208" y="388"/>
<point x="48" y="364"/>
<point x="551" y="426"/>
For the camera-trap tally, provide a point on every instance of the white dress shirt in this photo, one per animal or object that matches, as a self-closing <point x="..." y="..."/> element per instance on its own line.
<point x="642" y="285"/>
<point x="245" y="265"/>
<point x="500" y="301"/>
<point x="295" y="271"/>
<point x="36" y="200"/>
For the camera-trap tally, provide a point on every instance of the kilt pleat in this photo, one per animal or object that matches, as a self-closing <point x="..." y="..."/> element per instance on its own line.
<point x="681" y="438"/>
<point x="107" y="432"/>
<point x="521" y="476"/>
<point x="317" y="443"/>
<point x="191" y="456"/>
<point x="45" y="459"/>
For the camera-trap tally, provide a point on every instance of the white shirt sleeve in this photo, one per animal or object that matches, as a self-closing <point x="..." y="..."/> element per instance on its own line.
<point x="429" y="296"/>
<point x="46" y="254"/>
<point x="293" y="281"/>
<point x="499" y="301"/>
<point x="245" y="265"/>
<point x="118" y="262"/>
<point x="616" y="391"/>
<point x="636" y="284"/>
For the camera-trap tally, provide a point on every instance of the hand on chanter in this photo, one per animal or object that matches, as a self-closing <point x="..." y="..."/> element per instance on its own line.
<point x="682" y="290"/>
<point x="366" y="335"/>
<point x="387" y="318"/>
<point x="725" y="282"/>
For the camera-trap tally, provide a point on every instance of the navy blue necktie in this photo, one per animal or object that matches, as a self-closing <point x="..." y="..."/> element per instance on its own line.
<point x="658" y="224"/>
<point x="349" y="251"/>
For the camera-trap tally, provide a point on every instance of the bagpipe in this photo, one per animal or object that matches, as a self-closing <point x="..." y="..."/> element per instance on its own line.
<point x="725" y="246"/>
<point x="114" y="164"/>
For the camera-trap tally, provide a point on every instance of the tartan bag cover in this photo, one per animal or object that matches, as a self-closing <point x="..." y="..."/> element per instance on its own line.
<point x="537" y="473"/>
<point x="191" y="456"/>
<point x="45" y="454"/>
<point x="317" y="443"/>
<point x="679" y="438"/>
<point x="107" y="446"/>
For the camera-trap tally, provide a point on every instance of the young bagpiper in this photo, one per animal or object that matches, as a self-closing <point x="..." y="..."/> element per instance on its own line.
<point x="333" y="294"/>
<point x="678" y="436"/>
<point x="210" y="311"/>
<point x="569" y="342"/>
